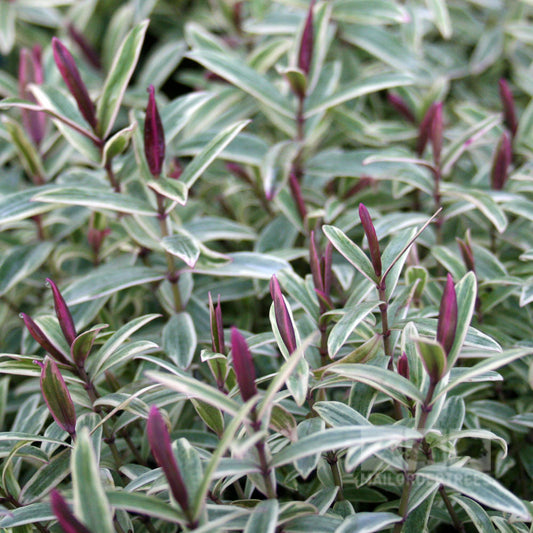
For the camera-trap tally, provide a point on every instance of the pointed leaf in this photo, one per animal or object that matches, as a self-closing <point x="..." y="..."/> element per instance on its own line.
<point x="179" y="339"/>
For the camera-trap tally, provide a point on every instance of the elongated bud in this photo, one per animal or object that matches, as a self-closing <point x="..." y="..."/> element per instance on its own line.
<point x="424" y="129"/>
<point x="465" y="246"/>
<point x="436" y="133"/>
<point x="509" y="113"/>
<point x="243" y="365"/>
<point x="305" y="55"/>
<point x="314" y="263"/>
<point x="68" y="522"/>
<point x="64" y="317"/>
<point x="154" y="136"/>
<point x="57" y="396"/>
<point x="38" y="334"/>
<point x="398" y="103"/>
<point x="501" y="163"/>
<point x="217" y="327"/>
<point x="87" y="50"/>
<point x="159" y="440"/>
<point x="71" y="76"/>
<point x="297" y="195"/>
<point x="447" y="323"/>
<point x="283" y="318"/>
<point x="31" y="71"/>
<point x="327" y="272"/>
<point x="373" y="243"/>
<point x="403" y="366"/>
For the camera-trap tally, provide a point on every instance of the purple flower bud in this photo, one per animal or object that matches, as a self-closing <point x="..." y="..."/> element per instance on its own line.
<point x="57" y="397"/>
<point x="436" y="133"/>
<point x="403" y="366"/>
<point x="159" y="440"/>
<point x="154" y="136"/>
<point x="243" y="365"/>
<point x="401" y="107"/>
<point x="373" y="243"/>
<point x="217" y="327"/>
<point x="68" y="522"/>
<point x="314" y="263"/>
<point x="305" y="55"/>
<point x="424" y="129"/>
<point x="447" y="323"/>
<point x="37" y="333"/>
<point x="297" y="195"/>
<point x="71" y="76"/>
<point x="326" y="262"/>
<point x="31" y="71"/>
<point x="465" y="247"/>
<point x="501" y="163"/>
<point x="64" y="317"/>
<point x="509" y="113"/>
<point x="283" y="318"/>
<point x="87" y="50"/>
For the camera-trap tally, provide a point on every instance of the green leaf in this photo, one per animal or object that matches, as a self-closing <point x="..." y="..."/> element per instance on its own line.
<point x="217" y="228"/>
<point x="117" y="143"/>
<point x="479" y="199"/>
<point x="193" y="388"/>
<point x="364" y="12"/>
<point x="7" y="27"/>
<point x="83" y="343"/>
<point x="20" y="205"/>
<point x="343" y="328"/>
<point x="118" y="78"/>
<point x="441" y="17"/>
<point x="478" y="486"/>
<point x="350" y="251"/>
<point x="367" y="522"/>
<point x="306" y="428"/>
<point x="95" y="199"/>
<point x="182" y="245"/>
<point x="29" y="514"/>
<point x="209" y="153"/>
<point x="247" y="265"/>
<point x="170" y="188"/>
<point x="264" y="517"/>
<point x="211" y="416"/>
<point x="241" y="75"/>
<point x="433" y="356"/>
<point x="372" y="84"/>
<point x="136" y="502"/>
<point x="90" y="502"/>
<point x="190" y="467"/>
<point x="340" y="438"/>
<point x="478" y="516"/>
<point x="179" y="339"/>
<point x="114" y="342"/>
<point x="108" y="280"/>
<point x="391" y="383"/>
<point x="21" y="262"/>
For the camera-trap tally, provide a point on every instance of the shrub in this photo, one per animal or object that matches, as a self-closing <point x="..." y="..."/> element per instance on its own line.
<point x="287" y="255"/>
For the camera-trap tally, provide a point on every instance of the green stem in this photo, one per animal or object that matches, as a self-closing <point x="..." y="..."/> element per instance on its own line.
<point x="333" y="462"/>
<point x="265" y="467"/>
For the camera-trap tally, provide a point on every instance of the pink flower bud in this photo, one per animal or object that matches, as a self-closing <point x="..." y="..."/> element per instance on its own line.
<point x="71" y="76"/>
<point x="68" y="522"/>
<point x="37" y="333"/>
<point x="424" y="129"/>
<point x="159" y="441"/>
<point x="64" y="317"/>
<point x="31" y="71"/>
<point x="447" y="323"/>
<point x="467" y="254"/>
<point x="154" y="136"/>
<point x="57" y="397"/>
<point x="283" y="318"/>
<point x="403" y="366"/>
<point x="243" y="365"/>
<point x="501" y="163"/>
<point x="401" y="107"/>
<point x="87" y="50"/>
<point x="314" y="263"/>
<point x="509" y="113"/>
<point x="326" y="263"/>
<point x="305" y="55"/>
<point x="373" y="243"/>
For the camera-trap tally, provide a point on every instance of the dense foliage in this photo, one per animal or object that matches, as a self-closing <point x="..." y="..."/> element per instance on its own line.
<point x="266" y="266"/>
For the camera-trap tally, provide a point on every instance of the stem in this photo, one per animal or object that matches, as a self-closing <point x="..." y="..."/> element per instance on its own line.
<point x="412" y="461"/>
<point x="333" y="462"/>
<point x="263" y="460"/>
<point x="173" y="275"/>
<point x="453" y="515"/>
<point x="111" y="176"/>
<point x="438" y="201"/>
